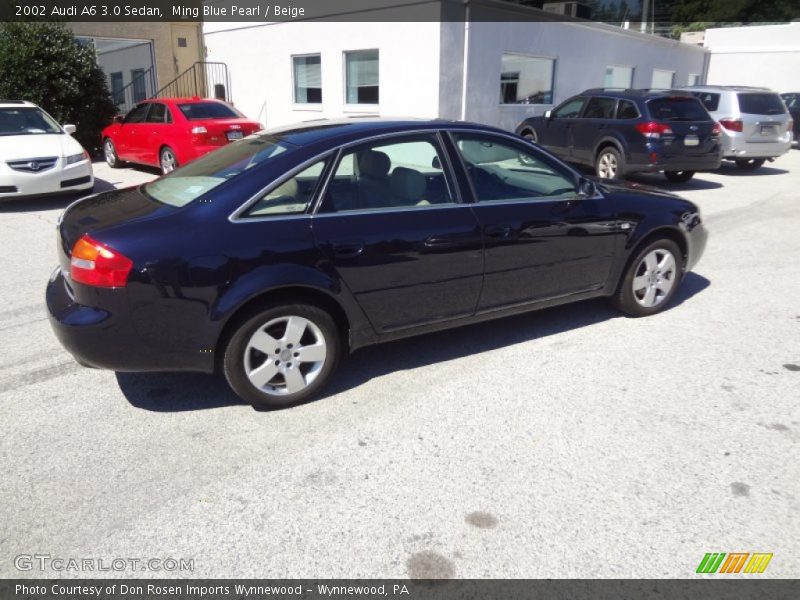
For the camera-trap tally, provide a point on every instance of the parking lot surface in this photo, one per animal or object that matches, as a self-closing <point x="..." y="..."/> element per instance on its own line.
<point x="570" y="442"/>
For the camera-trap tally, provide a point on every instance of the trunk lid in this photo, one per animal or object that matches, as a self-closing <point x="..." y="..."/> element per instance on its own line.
<point x="692" y="126"/>
<point x="764" y="116"/>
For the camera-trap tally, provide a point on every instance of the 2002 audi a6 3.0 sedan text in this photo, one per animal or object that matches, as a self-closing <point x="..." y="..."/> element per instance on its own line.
<point x="274" y="256"/>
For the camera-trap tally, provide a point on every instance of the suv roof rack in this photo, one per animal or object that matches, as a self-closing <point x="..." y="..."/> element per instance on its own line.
<point x="4" y="101"/>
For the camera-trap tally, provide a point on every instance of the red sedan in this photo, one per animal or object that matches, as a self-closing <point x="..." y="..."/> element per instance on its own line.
<point x="168" y="132"/>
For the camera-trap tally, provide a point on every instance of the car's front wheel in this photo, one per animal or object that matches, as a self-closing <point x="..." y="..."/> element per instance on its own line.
<point x="678" y="176"/>
<point x="282" y="355"/>
<point x="609" y="163"/>
<point x="651" y="280"/>
<point x="110" y="154"/>
<point x="749" y="164"/>
<point x="168" y="160"/>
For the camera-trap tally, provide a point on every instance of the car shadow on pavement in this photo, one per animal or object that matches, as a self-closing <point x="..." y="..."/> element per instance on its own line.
<point x="174" y="392"/>
<point x="729" y="168"/>
<point x="658" y="181"/>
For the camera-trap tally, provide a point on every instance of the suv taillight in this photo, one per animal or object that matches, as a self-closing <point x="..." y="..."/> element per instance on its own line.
<point x="653" y="130"/>
<point x="732" y="124"/>
<point x="716" y="130"/>
<point x="96" y="264"/>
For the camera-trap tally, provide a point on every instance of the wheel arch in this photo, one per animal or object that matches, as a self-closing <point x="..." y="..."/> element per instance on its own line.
<point x="636" y="244"/>
<point x="605" y="142"/>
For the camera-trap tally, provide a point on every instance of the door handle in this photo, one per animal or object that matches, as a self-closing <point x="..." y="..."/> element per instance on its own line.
<point x="347" y="249"/>
<point x="498" y="231"/>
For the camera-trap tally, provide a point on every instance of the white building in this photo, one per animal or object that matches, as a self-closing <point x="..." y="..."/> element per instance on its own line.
<point x="757" y="55"/>
<point x="482" y="70"/>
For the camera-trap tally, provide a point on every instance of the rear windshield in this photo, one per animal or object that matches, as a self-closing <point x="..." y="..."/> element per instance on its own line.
<point x="195" y="179"/>
<point x="709" y="99"/>
<point x="208" y="110"/>
<point x="760" y="104"/>
<point x="677" y="109"/>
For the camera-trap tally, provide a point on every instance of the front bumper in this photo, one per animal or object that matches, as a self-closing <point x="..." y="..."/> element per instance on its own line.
<point x="696" y="237"/>
<point x="58" y="179"/>
<point x="106" y="338"/>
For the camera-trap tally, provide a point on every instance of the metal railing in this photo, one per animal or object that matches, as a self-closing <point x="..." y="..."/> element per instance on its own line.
<point x="203" y="79"/>
<point x="140" y="88"/>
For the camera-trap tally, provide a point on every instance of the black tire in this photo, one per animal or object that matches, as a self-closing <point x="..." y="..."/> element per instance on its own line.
<point x="167" y="160"/>
<point x="749" y="164"/>
<point x="236" y="349"/>
<point x="608" y="158"/>
<point x="625" y="300"/>
<point x="678" y="176"/>
<point x="110" y="154"/>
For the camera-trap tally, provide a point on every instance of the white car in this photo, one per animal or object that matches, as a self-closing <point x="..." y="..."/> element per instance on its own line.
<point x="37" y="155"/>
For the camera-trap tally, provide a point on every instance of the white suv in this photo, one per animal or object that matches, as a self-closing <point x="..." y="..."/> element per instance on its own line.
<point x="37" y="155"/>
<point x="755" y="123"/>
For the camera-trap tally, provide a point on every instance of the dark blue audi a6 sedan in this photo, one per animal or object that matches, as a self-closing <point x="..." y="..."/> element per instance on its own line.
<point x="274" y="256"/>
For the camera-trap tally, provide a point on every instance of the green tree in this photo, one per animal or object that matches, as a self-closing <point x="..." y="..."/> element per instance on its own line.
<point x="735" y="11"/>
<point x="43" y="63"/>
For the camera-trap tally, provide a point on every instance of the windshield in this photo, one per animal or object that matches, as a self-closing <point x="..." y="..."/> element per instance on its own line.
<point x="208" y="110"/>
<point x="761" y="104"/>
<point x="678" y="109"/>
<point x="26" y="121"/>
<point x="195" y="179"/>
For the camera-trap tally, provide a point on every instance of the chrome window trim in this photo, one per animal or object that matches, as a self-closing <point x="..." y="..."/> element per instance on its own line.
<point x="390" y="209"/>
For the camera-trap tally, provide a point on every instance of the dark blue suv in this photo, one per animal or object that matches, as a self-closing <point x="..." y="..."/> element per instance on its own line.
<point x="618" y="132"/>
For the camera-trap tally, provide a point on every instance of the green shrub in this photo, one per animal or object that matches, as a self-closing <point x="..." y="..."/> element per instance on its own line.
<point x="43" y="63"/>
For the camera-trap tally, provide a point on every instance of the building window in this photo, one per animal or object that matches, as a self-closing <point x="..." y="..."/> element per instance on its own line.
<point x="116" y="88"/>
<point x="618" y="77"/>
<point x="694" y="79"/>
<point x="362" y="77"/>
<point x="662" y="80"/>
<point x="307" y="79"/>
<point x="182" y="42"/>
<point x="526" y="79"/>
<point x="139" y="85"/>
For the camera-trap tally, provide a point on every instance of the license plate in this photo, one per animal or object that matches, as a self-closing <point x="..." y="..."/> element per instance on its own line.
<point x="234" y="135"/>
<point x="691" y="140"/>
<point x="767" y="130"/>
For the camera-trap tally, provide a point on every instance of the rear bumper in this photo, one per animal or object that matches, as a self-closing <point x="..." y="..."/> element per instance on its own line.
<point x="734" y="148"/>
<point x="56" y="180"/>
<point x="106" y="338"/>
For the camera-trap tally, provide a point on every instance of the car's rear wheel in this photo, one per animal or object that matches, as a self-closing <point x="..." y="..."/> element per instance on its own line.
<point x="609" y="163"/>
<point x="110" y="154"/>
<point x="167" y="160"/>
<point x="651" y="280"/>
<point x="678" y="176"/>
<point x="749" y="164"/>
<point x="282" y="355"/>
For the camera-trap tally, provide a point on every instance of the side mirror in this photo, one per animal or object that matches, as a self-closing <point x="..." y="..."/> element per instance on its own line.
<point x="70" y="129"/>
<point x="548" y="114"/>
<point x="587" y="188"/>
<point x="436" y="163"/>
<point x="118" y="119"/>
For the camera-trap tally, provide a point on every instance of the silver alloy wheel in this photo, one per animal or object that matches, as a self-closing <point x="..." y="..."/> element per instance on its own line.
<point x="607" y="165"/>
<point x="168" y="162"/>
<point x="654" y="277"/>
<point x="108" y="151"/>
<point x="285" y="355"/>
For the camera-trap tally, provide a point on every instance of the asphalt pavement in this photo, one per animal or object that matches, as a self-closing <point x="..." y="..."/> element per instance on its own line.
<point x="570" y="442"/>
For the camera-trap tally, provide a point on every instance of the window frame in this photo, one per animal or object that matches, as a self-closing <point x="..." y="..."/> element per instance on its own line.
<point x="557" y="165"/>
<point x="313" y="106"/>
<point x="359" y="107"/>
<point x="672" y="82"/>
<point x="147" y="105"/>
<point x="633" y="74"/>
<point x="447" y="170"/>
<point x="553" y="60"/>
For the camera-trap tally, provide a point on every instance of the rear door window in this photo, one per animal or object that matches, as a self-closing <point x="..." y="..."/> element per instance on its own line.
<point x="600" y="108"/>
<point x="760" y="104"/>
<point x="677" y="109"/>
<point x="709" y="100"/>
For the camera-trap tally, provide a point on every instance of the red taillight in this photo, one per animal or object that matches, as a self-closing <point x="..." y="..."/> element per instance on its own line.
<point x="716" y="130"/>
<point x="96" y="264"/>
<point x="732" y="124"/>
<point x="653" y="129"/>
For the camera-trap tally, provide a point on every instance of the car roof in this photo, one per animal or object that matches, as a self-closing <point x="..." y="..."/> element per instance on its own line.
<point x="336" y="131"/>
<point x="631" y="93"/>
<point x="183" y="100"/>
<point x="726" y="88"/>
<point x="14" y="103"/>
